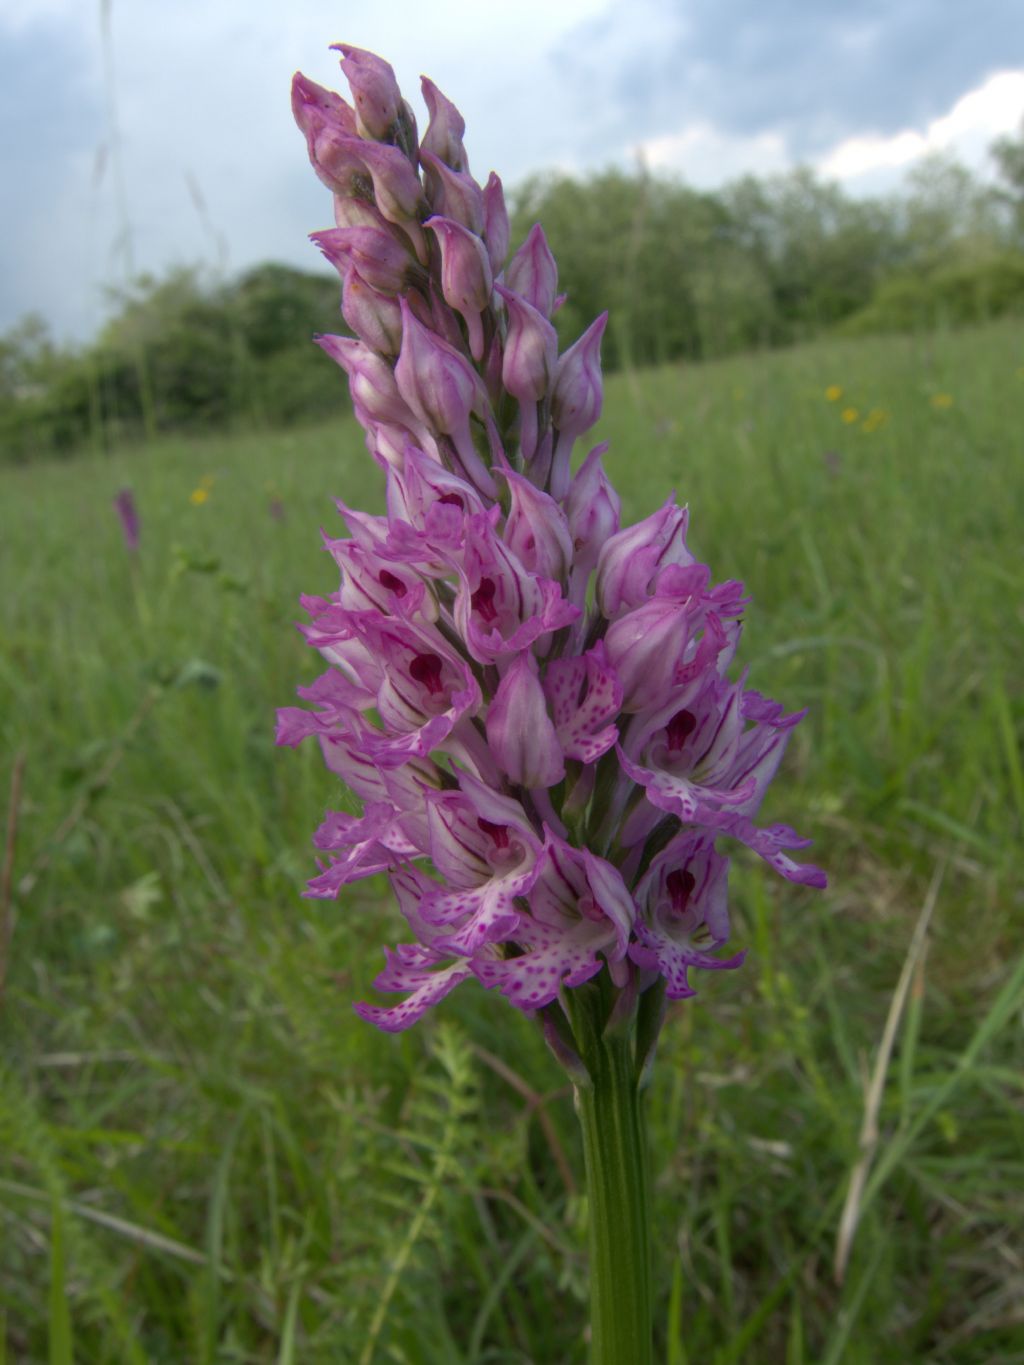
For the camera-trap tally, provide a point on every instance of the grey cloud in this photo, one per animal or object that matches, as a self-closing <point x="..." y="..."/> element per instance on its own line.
<point x="202" y="96"/>
<point x="52" y="112"/>
<point x="813" y="72"/>
<point x="182" y="118"/>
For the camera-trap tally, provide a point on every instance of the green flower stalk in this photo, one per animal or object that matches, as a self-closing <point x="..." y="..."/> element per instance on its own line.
<point x="532" y="702"/>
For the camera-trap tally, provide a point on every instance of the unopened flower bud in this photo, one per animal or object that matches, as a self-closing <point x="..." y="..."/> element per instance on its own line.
<point x="531" y="349"/>
<point x="443" y="137"/>
<point x="465" y="276"/>
<point x="374" y="317"/>
<point x="496" y="229"/>
<point x="576" y="398"/>
<point x="442" y="389"/>
<point x="578" y="391"/>
<point x="533" y="273"/>
<point x="454" y="194"/>
<point x="528" y="362"/>
<point x="536" y="529"/>
<point x="396" y="186"/>
<point x="422" y="485"/>
<point x="644" y="647"/>
<point x="519" y="729"/>
<point x="593" y="508"/>
<point x="361" y="213"/>
<point x="387" y="442"/>
<point x="439" y="385"/>
<point x="629" y="560"/>
<point x="380" y="259"/>
<point x="371" y="380"/>
<point x="313" y="105"/>
<point x="335" y="157"/>
<point x="374" y="89"/>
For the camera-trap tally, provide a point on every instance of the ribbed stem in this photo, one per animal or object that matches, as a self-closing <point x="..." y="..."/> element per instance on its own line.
<point x="618" y="1184"/>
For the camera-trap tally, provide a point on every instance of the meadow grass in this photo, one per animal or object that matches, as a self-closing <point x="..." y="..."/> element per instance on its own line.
<point x="206" y="1157"/>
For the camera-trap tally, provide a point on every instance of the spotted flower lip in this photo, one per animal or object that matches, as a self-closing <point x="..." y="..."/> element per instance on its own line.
<point x="421" y="972"/>
<point x="501" y="607"/>
<point x="683" y="914"/>
<point x="485" y="847"/>
<point x="532" y="701"/>
<point x="581" y="916"/>
<point x="585" y="696"/>
<point x="372" y="843"/>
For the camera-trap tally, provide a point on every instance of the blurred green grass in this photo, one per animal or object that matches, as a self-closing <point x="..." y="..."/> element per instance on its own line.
<point x="204" y="1156"/>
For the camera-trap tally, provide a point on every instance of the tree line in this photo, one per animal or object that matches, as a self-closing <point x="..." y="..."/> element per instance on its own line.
<point x="686" y="275"/>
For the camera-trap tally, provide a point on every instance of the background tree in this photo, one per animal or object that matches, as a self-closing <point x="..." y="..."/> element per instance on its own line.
<point x="1008" y="154"/>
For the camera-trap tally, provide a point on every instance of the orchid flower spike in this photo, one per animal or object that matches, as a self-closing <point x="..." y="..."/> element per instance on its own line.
<point x="533" y="702"/>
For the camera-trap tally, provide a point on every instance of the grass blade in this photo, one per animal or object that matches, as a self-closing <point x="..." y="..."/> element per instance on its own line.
<point x="1005" y="1004"/>
<point x="61" y="1348"/>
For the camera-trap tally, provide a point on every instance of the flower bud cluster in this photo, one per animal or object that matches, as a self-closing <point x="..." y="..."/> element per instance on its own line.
<point x="532" y="702"/>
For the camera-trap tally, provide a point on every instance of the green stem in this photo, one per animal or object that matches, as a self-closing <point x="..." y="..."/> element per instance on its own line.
<point x="618" y="1183"/>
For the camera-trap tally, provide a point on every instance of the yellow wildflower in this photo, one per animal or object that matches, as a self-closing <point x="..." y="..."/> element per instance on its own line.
<point x="198" y="496"/>
<point x="876" y="418"/>
<point x="833" y="393"/>
<point x="942" y="400"/>
<point x="849" y="415"/>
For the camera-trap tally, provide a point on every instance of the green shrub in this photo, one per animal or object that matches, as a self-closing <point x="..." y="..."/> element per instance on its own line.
<point x="950" y="296"/>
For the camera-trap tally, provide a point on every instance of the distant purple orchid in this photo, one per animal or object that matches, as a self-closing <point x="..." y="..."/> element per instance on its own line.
<point x="128" y="516"/>
<point x="533" y="703"/>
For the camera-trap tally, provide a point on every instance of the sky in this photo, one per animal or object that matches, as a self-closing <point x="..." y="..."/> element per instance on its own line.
<point x="140" y="134"/>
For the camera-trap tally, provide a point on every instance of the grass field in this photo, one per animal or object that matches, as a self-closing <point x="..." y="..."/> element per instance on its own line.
<point x="206" y="1157"/>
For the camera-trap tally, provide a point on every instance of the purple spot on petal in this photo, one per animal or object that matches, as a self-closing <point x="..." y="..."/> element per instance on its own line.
<point x="426" y="670"/>
<point x="393" y="584"/>
<point x="482" y="601"/>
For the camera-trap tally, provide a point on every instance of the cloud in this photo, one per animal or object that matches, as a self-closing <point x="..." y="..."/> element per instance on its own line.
<point x="868" y="163"/>
<point x="968" y="130"/>
<point x="200" y="92"/>
<point x="815" y="74"/>
<point x="49" y="95"/>
<point x="705" y="156"/>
